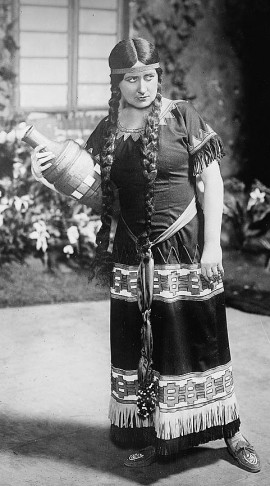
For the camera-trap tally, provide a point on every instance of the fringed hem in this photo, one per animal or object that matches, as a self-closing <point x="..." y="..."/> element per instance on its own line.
<point x="174" y="446"/>
<point x="170" y="425"/>
<point x="132" y="438"/>
<point x="128" y="438"/>
<point x="173" y="431"/>
<point x="210" y="151"/>
<point x="124" y="415"/>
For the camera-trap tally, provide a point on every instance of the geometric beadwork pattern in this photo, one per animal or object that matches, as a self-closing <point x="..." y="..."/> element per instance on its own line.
<point x="177" y="392"/>
<point x="203" y="137"/>
<point x="124" y="385"/>
<point x="171" y="282"/>
<point x="195" y="390"/>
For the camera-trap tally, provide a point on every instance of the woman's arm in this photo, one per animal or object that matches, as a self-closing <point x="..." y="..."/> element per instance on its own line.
<point x="211" y="261"/>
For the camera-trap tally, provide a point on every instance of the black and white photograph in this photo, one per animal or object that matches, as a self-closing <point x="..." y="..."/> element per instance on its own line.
<point x="134" y="242"/>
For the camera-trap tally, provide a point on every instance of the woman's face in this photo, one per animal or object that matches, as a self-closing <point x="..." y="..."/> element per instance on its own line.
<point x="139" y="90"/>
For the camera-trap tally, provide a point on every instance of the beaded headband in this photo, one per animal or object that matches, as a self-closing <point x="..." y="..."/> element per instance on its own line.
<point x="138" y="69"/>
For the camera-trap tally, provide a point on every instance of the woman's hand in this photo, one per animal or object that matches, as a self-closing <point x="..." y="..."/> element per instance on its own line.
<point x="41" y="160"/>
<point x="211" y="262"/>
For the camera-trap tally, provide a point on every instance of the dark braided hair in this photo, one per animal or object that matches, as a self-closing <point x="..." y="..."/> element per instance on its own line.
<point x="124" y="55"/>
<point x="150" y="141"/>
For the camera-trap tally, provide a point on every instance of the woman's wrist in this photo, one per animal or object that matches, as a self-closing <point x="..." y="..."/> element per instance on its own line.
<point x="212" y="243"/>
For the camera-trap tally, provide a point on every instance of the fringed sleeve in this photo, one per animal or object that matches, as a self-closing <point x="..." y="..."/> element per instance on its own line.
<point x="211" y="150"/>
<point x="203" y="143"/>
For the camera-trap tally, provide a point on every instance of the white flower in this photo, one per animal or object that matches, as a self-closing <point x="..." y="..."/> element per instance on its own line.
<point x="81" y="219"/>
<point x="255" y="197"/>
<point x="4" y="205"/>
<point x="20" y="130"/>
<point x="22" y="203"/>
<point x="73" y="234"/>
<point x="68" y="250"/>
<point x="15" y="134"/>
<point x="90" y="230"/>
<point x="11" y="136"/>
<point x="41" y="235"/>
<point x="3" y="136"/>
<point x="18" y="170"/>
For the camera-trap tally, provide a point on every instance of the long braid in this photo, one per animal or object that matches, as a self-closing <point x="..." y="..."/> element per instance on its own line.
<point x="102" y="262"/>
<point x="150" y="147"/>
<point x="146" y="398"/>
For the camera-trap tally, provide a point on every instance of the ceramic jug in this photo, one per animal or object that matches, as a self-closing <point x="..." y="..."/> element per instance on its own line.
<point x="73" y="172"/>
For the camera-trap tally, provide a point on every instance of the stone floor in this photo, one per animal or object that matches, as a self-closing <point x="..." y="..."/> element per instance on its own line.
<point x="54" y="399"/>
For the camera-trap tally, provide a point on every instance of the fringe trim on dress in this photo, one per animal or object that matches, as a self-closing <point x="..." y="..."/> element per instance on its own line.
<point x="210" y="151"/>
<point x="167" y="448"/>
<point x="170" y="425"/>
<point x="126" y="415"/>
<point x="128" y="429"/>
<point x="174" y="431"/>
<point x="134" y="438"/>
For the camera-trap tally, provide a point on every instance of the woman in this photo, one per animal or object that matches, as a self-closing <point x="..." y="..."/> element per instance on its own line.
<point x="172" y="383"/>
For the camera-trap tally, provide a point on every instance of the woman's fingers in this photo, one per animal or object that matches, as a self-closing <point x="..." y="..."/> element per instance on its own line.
<point x="47" y="156"/>
<point x="220" y="269"/>
<point x="206" y="271"/>
<point x="39" y="148"/>
<point x="212" y="271"/>
<point x="211" y="263"/>
<point x="44" y="167"/>
<point x="41" y="160"/>
<point x="42" y="155"/>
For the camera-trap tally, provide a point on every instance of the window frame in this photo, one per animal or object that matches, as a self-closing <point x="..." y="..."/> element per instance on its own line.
<point x="123" y="29"/>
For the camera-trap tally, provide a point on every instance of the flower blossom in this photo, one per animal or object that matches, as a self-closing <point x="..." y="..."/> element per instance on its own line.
<point x="255" y="197"/>
<point x="18" y="170"/>
<point x="68" y="250"/>
<point x="90" y="230"/>
<point x="41" y="235"/>
<point x="73" y="234"/>
<point x="22" y="203"/>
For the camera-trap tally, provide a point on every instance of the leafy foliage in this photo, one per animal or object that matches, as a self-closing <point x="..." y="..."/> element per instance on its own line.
<point x="170" y="24"/>
<point x="246" y="221"/>
<point x="8" y="48"/>
<point x="36" y="220"/>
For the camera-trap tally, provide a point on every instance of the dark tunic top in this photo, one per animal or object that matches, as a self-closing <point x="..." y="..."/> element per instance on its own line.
<point x="183" y="135"/>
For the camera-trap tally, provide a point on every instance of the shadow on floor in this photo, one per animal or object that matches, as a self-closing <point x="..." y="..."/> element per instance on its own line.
<point x="248" y="299"/>
<point x="90" y="447"/>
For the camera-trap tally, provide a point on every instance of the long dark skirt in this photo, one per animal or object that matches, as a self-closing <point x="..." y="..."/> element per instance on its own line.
<point x="192" y="363"/>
